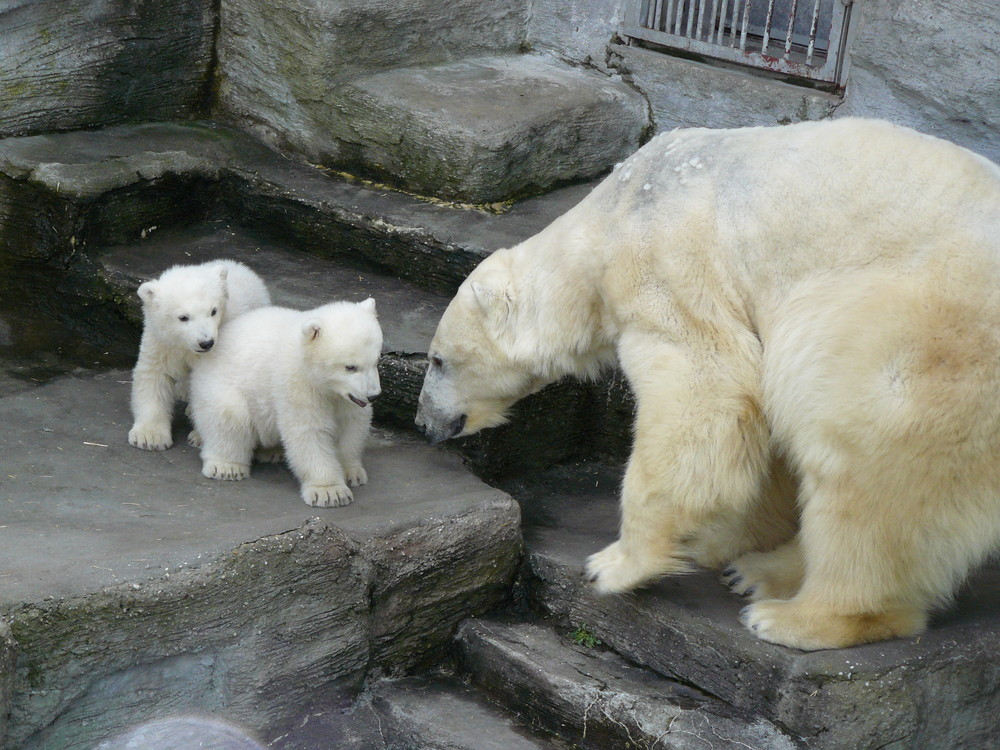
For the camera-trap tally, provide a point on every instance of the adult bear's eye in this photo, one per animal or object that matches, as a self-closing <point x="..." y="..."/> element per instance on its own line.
<point x="351" y="368"/>
<point x="214" y="311"/>
<point x="183" y="319"/>
<point x="436" y="362"/>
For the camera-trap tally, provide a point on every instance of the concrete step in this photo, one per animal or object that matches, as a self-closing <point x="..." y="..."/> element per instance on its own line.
<point x="431" y="712"/>
<point x="63" y="194"/>
<point x="938" y="689"/>
<point x="567" y="683"/>
<point x="490" y="128"/>
<point x="134" y="588"/>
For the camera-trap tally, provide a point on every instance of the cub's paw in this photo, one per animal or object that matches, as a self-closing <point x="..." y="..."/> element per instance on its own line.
<point x="225" y="470"/>
<point x="150" y="437"/>
<point x="355" y="475"/>
<point x="326" y="495"/>
<point x="273" y="455"/>
<point x="194" y="439"/>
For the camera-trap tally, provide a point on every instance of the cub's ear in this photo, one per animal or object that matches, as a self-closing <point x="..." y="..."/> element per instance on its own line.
<point x="147" y="291"/>
<point x="311" y="330"/>
<point x="223" y="270"/>
<point x="368" y="305"/>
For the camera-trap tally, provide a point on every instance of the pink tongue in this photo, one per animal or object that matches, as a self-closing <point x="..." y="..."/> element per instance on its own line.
<point x="356" y="400"/>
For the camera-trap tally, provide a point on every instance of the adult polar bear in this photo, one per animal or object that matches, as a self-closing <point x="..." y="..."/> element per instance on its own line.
<point x="826" y="294"/>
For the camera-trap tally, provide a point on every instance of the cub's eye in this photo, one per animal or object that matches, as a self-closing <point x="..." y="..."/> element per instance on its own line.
<point x="351" y="368"/>
<point x="436" y="362"/>
<point x="183" y="318"/>
<point x="214" y="311"/>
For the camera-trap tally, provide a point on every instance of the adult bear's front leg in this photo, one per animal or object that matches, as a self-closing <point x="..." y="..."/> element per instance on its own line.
<point x="699" y="455"/>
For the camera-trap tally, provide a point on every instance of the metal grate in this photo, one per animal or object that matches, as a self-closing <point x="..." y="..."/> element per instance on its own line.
<point x="802" y="38"/>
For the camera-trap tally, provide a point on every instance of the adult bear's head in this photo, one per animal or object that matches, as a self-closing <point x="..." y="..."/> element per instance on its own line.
<point x="516" y="324"/>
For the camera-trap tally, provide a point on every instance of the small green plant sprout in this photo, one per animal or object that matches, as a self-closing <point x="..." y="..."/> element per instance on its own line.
<point x="582" y="636"/>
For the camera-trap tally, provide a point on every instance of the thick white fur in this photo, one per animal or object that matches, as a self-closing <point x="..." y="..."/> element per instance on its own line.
<point x="182" y="312"/>
<point x="809" y="317"/>
<point x="301" y="380"/>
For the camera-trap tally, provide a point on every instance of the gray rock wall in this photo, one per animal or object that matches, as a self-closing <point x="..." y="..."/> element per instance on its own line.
<point x="926" y="64"/>
<point x="69" y="64"/>
<point x="931" y="65"/>
<point x="281" y="64"/>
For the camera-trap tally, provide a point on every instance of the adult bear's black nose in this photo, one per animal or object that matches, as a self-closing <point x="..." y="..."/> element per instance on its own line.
<point x="206" y="345"/>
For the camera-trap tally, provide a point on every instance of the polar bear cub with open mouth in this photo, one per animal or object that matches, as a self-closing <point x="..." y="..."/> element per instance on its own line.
<point x="182" y="312"/>
<point x="300" y="380"/>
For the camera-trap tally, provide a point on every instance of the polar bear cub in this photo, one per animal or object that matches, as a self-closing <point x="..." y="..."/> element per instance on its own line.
<point x="182" y="311"/>
<point x="301" y="380"/>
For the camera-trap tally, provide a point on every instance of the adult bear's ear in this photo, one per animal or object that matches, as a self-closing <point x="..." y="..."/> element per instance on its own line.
<point x="147" y="290"/>
<point x="368" y="306"/>
<point x="495" y="301"/>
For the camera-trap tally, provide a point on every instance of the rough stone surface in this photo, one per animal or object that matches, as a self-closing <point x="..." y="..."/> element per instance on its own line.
<point x="60" y="194"/>
<point x="68" y="64"/>
<point x="281" y="65"/>
<point x="485" y="129"/>
<point x="935" y="690"/>
<point x="593" y="699"/>
<point x="928" y="65"/>
<point x="575" y="31"/>
<point x="684" y="93"/>
<point x="443" y="714"/>
<point x="434" y="712"/>
<point x="134" y="587"/>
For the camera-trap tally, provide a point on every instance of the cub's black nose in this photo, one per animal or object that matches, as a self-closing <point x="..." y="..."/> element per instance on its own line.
<point x="206" y="345"/>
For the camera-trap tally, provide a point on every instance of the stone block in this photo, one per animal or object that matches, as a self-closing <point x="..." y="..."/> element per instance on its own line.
<point x="593" y="699"/>
<point x="68" y="64"/>
<point x="137" y="589"/>
<point x="282" y="64"/>
<point x="486" y="129"/>
<point x="683" y="93"/>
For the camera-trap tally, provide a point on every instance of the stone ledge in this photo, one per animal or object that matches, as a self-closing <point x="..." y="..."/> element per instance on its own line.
<point x="63" y="194"/>
<point x="593" y="699"/>
<point x="486" y="129"/>
<point x="134" y="587"/>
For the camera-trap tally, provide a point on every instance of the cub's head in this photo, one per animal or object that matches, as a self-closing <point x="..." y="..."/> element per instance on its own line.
<point x="482" y="359"/>
<point x="341" y="344"/>
<point x="186" y="305"/>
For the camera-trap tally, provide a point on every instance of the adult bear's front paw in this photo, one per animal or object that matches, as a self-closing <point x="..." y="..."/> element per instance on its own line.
<point x="150" y="437"/>
<point x="326" y="495"/>
<point x="225" y="470"/>
<point x="610" y="571"/>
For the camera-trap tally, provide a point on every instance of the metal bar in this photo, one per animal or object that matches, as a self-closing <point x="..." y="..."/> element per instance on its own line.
<point x="767" y="27"/>
<point x="791" y="28"/>
<point x="735" y="23"/>
<point x="722" y="23"/>
<point x="650" y="14"/>
<point x="690" y="12"/>
<point x="711" y="19"/>
<point x="668" y="11"/>
<point x="678" y="13"/>
<point x="701" y="19"/>
<point x="812" y="34"/>
<point x="746" y="24"/>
